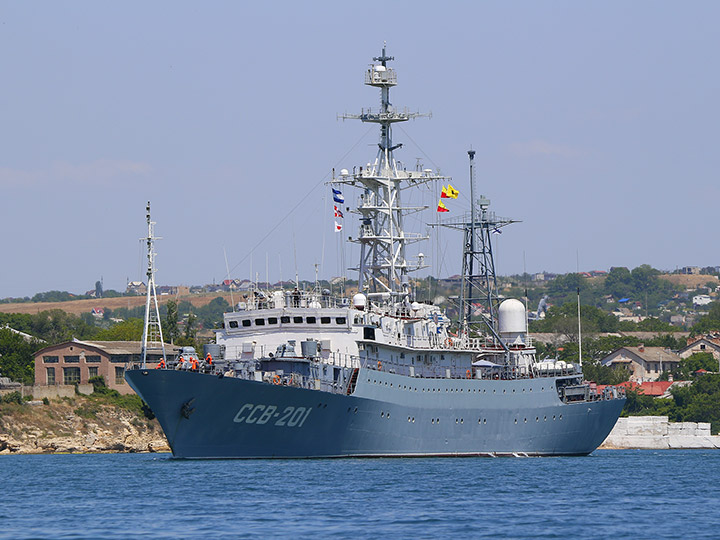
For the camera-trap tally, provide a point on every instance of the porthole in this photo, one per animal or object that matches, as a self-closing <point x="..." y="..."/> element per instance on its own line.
<point x="355" y="410"/>
<point x="284" y="319"/>
<point x="432" y="420"/>
<point x="484" y="420"/>
<point x="516" y="420"/>
<point x="544" y="418"/>
<point x="461" y="420"/>
<point x="561" y="417"/>
<point x="233" y="324"/>
<point x="537" y="418"/>
<point x="526" y="420"/>
<point x="413" y="419"/>
<point x="382" y="414"/>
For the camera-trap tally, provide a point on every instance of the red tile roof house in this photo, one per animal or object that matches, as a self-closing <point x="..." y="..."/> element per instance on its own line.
<point x="701" y="344"/>
<point x="649" y="388"/>
<point x="644" y="363"/>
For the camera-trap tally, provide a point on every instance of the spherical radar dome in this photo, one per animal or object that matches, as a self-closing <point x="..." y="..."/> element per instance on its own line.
<point x="359" y="301"/>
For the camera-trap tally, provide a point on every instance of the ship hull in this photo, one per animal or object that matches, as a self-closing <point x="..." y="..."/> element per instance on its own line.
<point x="206" y="416"/>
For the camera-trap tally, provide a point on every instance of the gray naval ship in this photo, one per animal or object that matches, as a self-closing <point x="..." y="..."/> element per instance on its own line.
<point x="300" y="374"/>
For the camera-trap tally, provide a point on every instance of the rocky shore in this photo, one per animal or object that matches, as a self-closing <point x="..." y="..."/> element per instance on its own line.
<point x="76" y="425"/>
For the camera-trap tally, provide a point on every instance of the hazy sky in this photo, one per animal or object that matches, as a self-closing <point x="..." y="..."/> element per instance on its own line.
<point x="595" y="123"/>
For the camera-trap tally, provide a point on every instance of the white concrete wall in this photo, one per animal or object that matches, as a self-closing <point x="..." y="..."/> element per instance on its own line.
<point x="656" y="432"/>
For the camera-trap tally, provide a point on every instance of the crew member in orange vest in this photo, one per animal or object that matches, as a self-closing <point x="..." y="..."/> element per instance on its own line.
<point x="161" y="365"/>
<point x="208" y="359"/>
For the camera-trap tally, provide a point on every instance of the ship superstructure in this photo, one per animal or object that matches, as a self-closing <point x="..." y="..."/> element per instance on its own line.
<point x="304" y="374"/>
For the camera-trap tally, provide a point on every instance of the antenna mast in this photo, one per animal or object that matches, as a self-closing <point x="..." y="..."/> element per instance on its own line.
<point x="479" y="283"/>
<point x="152" y="332"/>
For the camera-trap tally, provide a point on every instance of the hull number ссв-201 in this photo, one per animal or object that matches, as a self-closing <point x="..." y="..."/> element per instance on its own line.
<point x="262" y="414"/>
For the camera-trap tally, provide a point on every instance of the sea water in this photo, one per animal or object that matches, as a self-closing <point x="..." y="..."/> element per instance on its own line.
<point x="609" y="494"/>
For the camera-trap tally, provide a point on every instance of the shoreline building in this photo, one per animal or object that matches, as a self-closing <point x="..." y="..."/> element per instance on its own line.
<point x="643" y="363"/>
<point x="76" y="362"/>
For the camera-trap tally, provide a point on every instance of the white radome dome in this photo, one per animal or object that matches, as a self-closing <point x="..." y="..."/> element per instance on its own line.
<point x="359" y="301"/>
<point x="511" y="317"/>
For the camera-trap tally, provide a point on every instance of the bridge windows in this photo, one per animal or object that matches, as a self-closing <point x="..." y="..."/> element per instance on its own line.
<point x="246" y="322"/>
<point x="284" y="319"/>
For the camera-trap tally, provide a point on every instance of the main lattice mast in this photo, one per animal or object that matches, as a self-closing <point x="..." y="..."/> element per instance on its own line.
<point x="384" y="267"/>
<point x="152" y="331"/>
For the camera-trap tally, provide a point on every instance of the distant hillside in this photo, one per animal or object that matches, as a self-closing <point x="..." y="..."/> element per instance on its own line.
<point x="690" y="281"/>
<point x="76" y="307"/>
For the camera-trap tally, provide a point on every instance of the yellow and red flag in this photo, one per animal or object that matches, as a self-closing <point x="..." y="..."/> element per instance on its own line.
<point x="441" y="207"/>
<point x="449" y="192"/>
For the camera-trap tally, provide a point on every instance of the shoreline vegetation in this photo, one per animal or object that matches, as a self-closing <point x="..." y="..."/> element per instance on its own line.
<point x="28" y="325"/>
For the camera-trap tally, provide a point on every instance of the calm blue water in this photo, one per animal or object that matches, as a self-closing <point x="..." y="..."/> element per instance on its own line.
<point x="611" y="494"/>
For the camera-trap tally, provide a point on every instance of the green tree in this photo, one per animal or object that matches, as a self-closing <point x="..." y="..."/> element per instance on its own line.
<point x="618" y="282"/>
<point x="709" y="322"/>
<point x="130" y="330"/>
<point x="190" y="327"/>
<point x="17" y="359"/>
<point x="563" y="320"/>
<point x="170" y="324"/>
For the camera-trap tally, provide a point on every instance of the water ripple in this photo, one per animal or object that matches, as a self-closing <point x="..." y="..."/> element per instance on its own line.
<point x="618" y="494"/>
